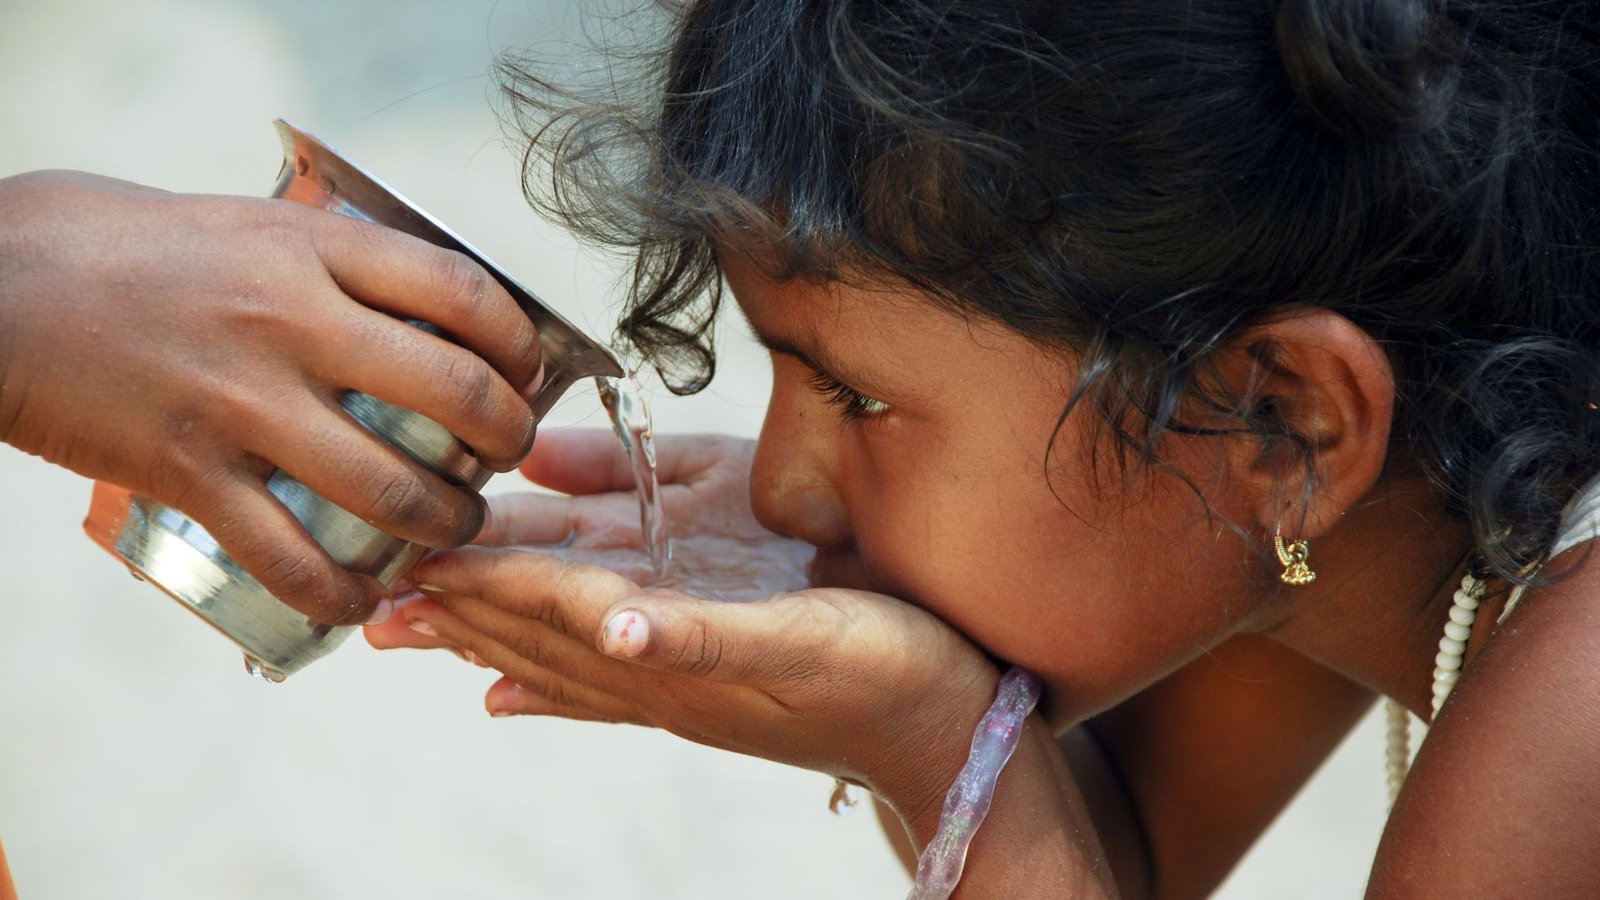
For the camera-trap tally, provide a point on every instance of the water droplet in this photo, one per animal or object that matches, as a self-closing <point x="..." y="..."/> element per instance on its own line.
<point x="845" y="797"/>
<point x="261" y="670"/>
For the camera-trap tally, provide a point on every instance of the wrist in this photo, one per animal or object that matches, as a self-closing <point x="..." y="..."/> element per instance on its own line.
<point x="928" y="759"/>
<point x="1013" y="824"/>
<point x="1037" y="840"/>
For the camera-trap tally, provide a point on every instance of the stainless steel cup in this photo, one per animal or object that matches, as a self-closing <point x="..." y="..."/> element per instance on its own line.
<point x="161" y="545"/>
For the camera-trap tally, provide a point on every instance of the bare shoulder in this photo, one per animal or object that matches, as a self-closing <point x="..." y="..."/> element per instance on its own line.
<point x="1504" y="798"/>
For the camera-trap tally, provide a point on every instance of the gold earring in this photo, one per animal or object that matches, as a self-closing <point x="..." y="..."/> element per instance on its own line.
<point x="1293" y="556"/>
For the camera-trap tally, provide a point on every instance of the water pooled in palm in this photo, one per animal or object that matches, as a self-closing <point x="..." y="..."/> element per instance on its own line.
<point x="630" y="419"/>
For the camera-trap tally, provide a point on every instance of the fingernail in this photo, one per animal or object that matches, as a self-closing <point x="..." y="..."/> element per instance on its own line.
<point x="626" y="634"/>
<point x="476" y="660"/>
<point x="488" y="520"/>
<point x="538" y="381"/>
<point x="421" y="627"/>
<point x="382" y="612"/>
<point x="429" y="588"/>
<point x="401" y="601"/>
<point x="510" y="697"/>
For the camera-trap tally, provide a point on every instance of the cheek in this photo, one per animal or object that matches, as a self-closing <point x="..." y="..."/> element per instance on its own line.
<point x="1100" y="601"/>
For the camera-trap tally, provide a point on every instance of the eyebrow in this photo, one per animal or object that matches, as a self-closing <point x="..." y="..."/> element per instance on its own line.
<point x="812" y="352"/>
<point x="815" y="358"/>
<point x="787" y="348"/>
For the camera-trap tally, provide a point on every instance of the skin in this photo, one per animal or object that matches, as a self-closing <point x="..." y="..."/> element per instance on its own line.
<point x="1189" y="694"/>
<point x="186" y="346"/>
<point x="8" y="891"/>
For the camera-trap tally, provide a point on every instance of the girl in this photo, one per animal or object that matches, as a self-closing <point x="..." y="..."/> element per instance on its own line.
<point x="1209" y="361"/>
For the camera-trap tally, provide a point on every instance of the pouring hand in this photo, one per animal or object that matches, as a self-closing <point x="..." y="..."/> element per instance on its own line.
<point x="185" y="346"/>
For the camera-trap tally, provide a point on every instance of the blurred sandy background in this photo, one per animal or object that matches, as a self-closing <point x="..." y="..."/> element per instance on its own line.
<point x="138" y="761"/>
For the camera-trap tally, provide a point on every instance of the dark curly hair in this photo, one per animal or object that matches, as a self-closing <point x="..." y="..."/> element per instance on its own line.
<point x="1139" y="180"/>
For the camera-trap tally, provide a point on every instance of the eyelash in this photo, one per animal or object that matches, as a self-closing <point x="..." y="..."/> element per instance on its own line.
<point x="852" y="403"/>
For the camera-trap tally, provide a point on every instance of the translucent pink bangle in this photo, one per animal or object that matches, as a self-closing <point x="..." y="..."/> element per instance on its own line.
<point x="939" y="868"/>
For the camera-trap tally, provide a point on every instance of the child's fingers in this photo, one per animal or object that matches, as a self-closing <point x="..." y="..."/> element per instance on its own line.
<point x="579" y="462"/>
<point x="782" y="637"/>
<point x="507" y="698"/>
<point x="558" y="690"/>
<point x="399" y="630"/>
<point x="519" y="643"/>
<point x="550" y="520"/>
<point x="591" y="461"/>
<point x="564" y="595"/>
<point x="529" y="518"/>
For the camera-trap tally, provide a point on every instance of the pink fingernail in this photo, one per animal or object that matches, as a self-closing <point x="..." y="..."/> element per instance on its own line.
<point x="626" y="634"/>
<point x="538" y="382"/>
<point x="421" y="627"/>
<point x="430" y="588"/>
<point x="510" y="697"/>
<point x="382" y="612"/>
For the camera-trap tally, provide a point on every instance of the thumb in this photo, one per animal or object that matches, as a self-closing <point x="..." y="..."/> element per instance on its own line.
<point x="716" y="640"/>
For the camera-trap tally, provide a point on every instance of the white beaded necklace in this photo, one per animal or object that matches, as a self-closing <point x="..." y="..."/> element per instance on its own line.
<point x="1580" y="521"/>
<point x="1446" y="672"/>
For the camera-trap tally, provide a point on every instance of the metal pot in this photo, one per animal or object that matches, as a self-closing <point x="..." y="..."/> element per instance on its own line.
<point x="161" y="545"/>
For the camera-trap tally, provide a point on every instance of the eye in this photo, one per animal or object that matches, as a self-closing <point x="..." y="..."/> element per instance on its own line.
<point x="852" y="403"/>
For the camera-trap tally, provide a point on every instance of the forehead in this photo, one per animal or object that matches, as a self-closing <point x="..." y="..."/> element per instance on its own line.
<point x="775" y="303"/>
<point x="883" y="334"/>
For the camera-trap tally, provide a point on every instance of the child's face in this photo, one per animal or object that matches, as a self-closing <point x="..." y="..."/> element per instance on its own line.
<point x="929" y="482"/>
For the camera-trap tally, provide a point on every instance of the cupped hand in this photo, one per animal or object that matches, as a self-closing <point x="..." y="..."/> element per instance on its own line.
<point x="719" y="550"/>
<point x="855" y="684"/>
<point x="185" y="346"/>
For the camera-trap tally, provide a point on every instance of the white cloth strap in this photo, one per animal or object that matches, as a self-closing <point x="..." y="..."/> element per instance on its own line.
<point x="1580" y="522"/>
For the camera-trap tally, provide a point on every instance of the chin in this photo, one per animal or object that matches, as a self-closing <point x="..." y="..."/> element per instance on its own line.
<point x="834" y="568"/>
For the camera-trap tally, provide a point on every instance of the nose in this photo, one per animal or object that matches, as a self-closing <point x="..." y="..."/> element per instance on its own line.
<point x="794" y="480"/>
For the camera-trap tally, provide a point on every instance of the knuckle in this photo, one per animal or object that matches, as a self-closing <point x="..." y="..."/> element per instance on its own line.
<point x="562" y="695"/>
<point x="460" y="282"/>
<point x="524" y="342"/>
<point x="188" y="480"/>
<point x="564" y="585"/>
<point x="399" y="498"/>
<point x="526" y="644"/>
<point x="471" y="382"/>
<point x="284" y="223"/>
<point x="174" y="475"/>
<point x="306" y="583"/>
<point x="465" y="519"/>
<point x="699" y="652"/>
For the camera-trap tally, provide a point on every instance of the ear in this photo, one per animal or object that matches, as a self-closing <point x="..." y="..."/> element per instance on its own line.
<point x="1326" y="389"/>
